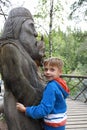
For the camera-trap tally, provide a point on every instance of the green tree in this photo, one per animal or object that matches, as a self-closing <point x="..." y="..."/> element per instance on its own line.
<point x="71" y="47"/>
<point x="48" y="12"/>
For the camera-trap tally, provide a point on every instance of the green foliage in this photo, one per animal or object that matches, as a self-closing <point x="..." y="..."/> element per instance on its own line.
<point x="2" y="117"/>
<point x="72" y="48"/>
<point x="42" y="14"/>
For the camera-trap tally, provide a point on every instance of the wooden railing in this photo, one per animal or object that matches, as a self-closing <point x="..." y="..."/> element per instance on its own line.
<point x="78" y="86"/>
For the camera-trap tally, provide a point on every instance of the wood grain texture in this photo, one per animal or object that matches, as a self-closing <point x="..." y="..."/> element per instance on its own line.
<point x="77" y="115"/>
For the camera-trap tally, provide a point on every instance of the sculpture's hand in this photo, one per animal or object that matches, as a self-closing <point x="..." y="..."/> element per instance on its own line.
<point x="20" y="107"/>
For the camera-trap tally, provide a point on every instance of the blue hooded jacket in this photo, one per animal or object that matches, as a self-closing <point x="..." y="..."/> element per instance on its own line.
<point x="53" y="105"/>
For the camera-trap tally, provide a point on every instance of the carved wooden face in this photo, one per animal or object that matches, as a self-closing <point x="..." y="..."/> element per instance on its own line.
<point x="28" y="39"/>
<point x="28" y="35"/>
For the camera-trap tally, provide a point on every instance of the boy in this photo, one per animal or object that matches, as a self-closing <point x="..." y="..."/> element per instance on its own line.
<point x="52" y="107"/>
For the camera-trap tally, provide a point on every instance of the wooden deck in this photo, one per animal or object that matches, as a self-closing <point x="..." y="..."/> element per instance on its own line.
<point x="77" y="115"/>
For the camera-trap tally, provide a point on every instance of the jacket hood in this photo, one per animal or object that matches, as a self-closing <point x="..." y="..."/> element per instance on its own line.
<point x="63" y="86"/>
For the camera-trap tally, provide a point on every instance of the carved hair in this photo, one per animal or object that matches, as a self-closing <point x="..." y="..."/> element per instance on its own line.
<point x="14" y="22"/>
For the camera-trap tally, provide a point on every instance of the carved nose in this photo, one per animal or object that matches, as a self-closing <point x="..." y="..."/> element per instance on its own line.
<point x="35" y="34"/>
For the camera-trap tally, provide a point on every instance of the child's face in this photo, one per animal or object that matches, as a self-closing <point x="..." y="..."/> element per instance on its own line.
<point x="51" y="72"/>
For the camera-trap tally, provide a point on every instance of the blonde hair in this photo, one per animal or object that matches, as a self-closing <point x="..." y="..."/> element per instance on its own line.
<point x="54" y="61"/>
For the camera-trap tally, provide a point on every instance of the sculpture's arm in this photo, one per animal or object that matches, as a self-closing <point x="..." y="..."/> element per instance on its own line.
<point x="13" y="74"/>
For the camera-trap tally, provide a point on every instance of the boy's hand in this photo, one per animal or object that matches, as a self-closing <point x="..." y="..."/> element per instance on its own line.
<point x="20" y="107"/>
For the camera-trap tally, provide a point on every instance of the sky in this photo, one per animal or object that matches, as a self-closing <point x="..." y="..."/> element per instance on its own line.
<point x="31" y="4"/>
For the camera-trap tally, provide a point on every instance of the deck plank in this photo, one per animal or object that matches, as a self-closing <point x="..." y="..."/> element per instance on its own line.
<point x="77" y="115"/>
